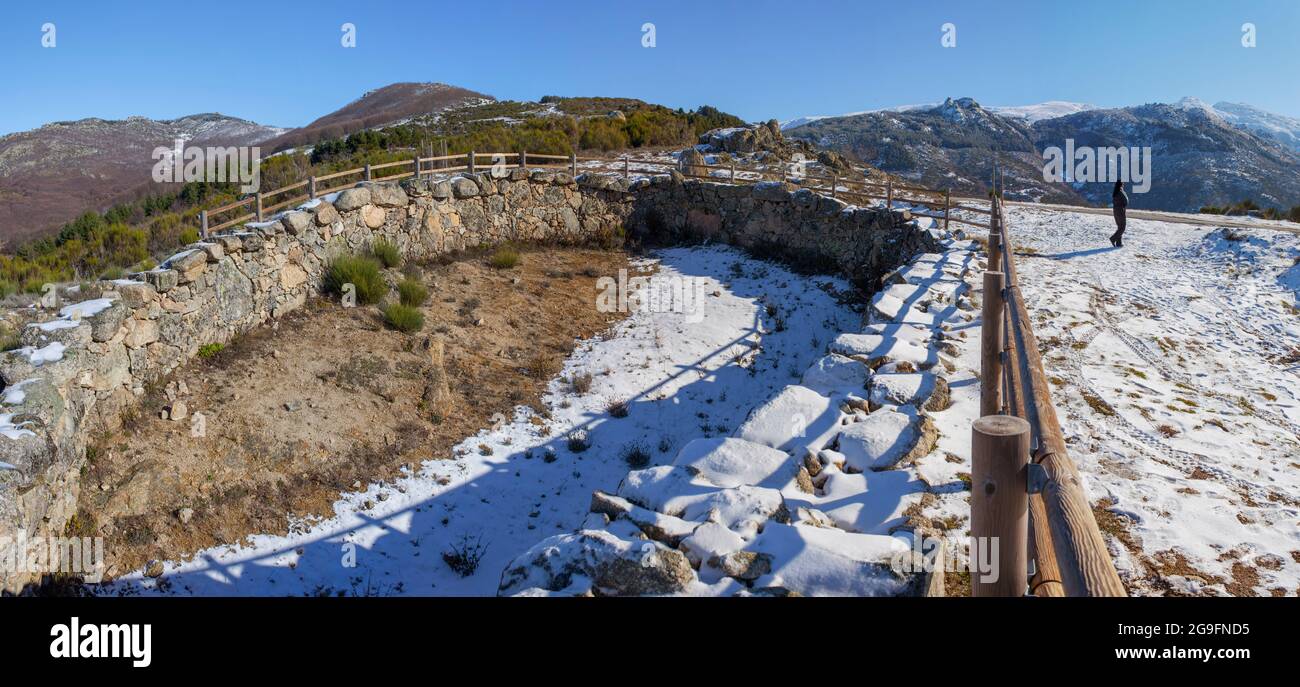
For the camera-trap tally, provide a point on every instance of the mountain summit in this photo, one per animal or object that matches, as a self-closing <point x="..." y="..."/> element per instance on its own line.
<point x="392" y="104"/>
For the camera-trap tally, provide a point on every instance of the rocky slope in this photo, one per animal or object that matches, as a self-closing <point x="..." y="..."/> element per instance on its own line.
<point x="51" y="174"/>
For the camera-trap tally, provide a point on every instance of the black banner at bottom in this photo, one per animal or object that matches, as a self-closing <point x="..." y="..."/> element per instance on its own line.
<point x="339" y="636"/>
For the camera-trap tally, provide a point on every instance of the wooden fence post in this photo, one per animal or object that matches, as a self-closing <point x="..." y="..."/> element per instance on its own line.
<point x="523" y="159"/>
<point x="367" y="171"/>
<point x="203" y="224"/>
<point x="835" y="181"/>
<point x="627" y="167"/>
<point x="889" y="193"/>
<point x="311" y="187"/>
<point x="991" y="345"/>
<point x="417" y="166"/>
<point x="995" y="250"/>
<point x="999" y="506"/>
<point x="470" y="162"/>
<point x="946" y="205"/>
<point x="573" y="165"/>
<point x="259" y="205"/>
<point x="733" y="172"/>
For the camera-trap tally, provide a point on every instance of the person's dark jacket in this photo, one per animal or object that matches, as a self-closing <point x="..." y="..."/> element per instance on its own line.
<point x="1119" y="199"/>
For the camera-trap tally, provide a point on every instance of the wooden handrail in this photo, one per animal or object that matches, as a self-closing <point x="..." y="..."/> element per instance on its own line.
<point x="335" y="175"/>
<point x="835" y="186"/>
<point x="1069" y="551"/>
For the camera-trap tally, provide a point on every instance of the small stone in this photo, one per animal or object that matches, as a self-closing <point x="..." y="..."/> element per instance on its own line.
<point x="373" y="216"/>
<point x="293" y="406"/>
<point x="185" y="515"/>
<point x="153" y="569"/>
<point x="744" y="565"/>
<point x="179" y="411"/>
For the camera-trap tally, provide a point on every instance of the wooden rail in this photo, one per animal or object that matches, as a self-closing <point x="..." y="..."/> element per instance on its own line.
<point x="1069" y="554"/>
<point x="938" y="204"/>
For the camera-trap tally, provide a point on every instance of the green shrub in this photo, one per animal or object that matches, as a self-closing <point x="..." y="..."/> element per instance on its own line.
<point x="189" y="235"/>
<point x="403" y="318"/>
<point x="387" y="252"/>
<point x="114" y="273"/>
<point x="505" y="257"/>
<point x="412" y="293"/>
<point x="209" y="350"/>
<point x="360" y="271"/>
<point x="9" y="338"/>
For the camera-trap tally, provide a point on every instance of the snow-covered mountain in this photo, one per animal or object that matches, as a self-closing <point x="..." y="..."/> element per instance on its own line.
<point x="1202" y="154"/>
<point x="1048" y="110"/>
<point x="1026" y="113"/>
<point x="1281" y="128"/>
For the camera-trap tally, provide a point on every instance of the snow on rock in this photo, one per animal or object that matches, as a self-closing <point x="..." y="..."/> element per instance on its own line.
<point x="672" y="490"/>
<point x="597" y="562"/>
<point x="50" y="353"/>
<point x="837" y="374"/>
<point x="731" y="462"/>
<point x="796" y="417"/>
<point x="885" y="438"/>
<point x="816" y="561"/>
<point x="927" y="273"/>
<point x="929" y="304"/>
<point x="709" y="542"/>
<point x="872" y="502"/>
<point x="921" y="389"/>
<point x="11" y="430"/>
<point x="890" y="347"/>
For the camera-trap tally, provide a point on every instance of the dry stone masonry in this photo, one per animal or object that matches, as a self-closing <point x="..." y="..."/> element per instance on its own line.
<point x="79" y="374"/>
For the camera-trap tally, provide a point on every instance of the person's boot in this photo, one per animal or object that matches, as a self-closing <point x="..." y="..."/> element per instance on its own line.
<point x="1114" y="241"/>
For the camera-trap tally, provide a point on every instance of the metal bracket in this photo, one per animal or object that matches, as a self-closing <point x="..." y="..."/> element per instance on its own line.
<point x="1036" y="478"/>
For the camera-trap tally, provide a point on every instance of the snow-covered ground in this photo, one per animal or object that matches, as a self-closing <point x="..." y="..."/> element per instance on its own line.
<point x="682" y="377"/>
<point x="1175" y="366"/>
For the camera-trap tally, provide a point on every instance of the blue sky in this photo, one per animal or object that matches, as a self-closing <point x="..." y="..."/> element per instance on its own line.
<point x="282" y="63"/>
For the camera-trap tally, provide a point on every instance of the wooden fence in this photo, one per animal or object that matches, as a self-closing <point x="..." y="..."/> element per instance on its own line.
<point x="1025" y="491"/>
<point x="256" y="207"/>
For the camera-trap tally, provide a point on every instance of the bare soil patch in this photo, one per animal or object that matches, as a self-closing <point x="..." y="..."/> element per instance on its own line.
<point x="329" y="399"/>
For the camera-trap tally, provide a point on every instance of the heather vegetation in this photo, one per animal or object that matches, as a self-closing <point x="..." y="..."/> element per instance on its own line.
<point x="1250" y="207"/>
<point x="131" y="236"/>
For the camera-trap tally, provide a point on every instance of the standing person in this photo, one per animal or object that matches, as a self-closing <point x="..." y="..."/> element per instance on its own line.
<point x="1119" y="200"/>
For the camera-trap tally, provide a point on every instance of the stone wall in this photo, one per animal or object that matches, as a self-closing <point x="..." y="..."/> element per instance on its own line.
<point x="779" y="221"/>
<point x="77" y="376"/>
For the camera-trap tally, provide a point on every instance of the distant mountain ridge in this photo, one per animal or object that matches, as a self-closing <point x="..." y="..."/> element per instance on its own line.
<point x="50" y="175"/>
<point x="1202" y="154"/>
